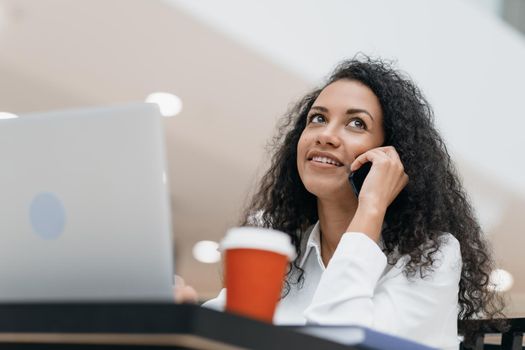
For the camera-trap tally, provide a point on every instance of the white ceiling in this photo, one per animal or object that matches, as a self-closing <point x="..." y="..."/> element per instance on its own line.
<point x="238" y="70"/>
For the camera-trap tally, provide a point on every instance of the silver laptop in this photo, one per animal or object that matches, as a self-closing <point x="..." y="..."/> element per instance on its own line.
<point x="84" y="206"/>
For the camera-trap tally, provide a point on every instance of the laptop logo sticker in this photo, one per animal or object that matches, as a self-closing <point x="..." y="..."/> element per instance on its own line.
<point x="47" y="215"/>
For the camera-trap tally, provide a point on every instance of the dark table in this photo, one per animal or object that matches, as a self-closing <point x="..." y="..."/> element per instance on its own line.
<point x="168" y="326"/>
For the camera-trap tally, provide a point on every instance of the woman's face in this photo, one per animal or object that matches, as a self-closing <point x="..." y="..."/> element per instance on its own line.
<point x="345" y="121"/>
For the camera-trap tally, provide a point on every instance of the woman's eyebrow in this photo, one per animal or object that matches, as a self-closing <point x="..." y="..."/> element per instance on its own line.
<point x="350" y="111"/>
<point x="320" y="108"/>
<point x="358" y="110"/>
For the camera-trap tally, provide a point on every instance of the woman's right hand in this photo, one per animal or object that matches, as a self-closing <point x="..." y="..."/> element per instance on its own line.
<point x="386" y="178"/>
<point x="384" y="182"/>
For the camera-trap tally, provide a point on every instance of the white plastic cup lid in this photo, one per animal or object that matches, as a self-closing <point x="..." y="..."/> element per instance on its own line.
<point x="258" y="238"/>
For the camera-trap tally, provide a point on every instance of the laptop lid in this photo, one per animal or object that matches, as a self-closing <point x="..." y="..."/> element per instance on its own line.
<point x="84" y="206"/>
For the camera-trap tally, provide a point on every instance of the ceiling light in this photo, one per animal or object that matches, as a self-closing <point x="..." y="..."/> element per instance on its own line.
<point x="500" y="280"/>
<point x="169" y="104"/>
<point x="7" y="115"/>
<point x="206" y="252"/>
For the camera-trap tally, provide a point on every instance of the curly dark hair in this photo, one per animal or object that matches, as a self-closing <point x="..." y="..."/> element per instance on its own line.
<point x="432" y="203"/>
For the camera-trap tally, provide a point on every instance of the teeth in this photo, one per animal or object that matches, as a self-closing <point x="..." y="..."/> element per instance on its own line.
<point x="326" y="160"/>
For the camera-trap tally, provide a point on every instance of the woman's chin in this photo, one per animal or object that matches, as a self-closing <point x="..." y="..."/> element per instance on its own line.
<point x="329" y="191"/>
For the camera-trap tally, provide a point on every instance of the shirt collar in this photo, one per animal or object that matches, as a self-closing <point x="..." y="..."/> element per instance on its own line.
<point x="314" y="242"/>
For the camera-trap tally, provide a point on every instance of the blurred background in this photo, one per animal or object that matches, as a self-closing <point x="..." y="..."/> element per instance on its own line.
<point x="230" y="69"/>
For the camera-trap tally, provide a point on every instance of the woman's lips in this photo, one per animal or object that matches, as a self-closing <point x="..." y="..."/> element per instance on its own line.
<point x="323" y="165"/>
<point x="324" y="157"/>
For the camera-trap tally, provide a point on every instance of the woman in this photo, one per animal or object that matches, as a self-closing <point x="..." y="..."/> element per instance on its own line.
<point x="406" y="256"/>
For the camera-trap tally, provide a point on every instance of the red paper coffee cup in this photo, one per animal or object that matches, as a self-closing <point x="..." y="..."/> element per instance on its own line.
<point x="256" y="261"/>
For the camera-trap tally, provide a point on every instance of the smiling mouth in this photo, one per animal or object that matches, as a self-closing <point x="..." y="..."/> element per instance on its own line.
<point x="325" y="160"/>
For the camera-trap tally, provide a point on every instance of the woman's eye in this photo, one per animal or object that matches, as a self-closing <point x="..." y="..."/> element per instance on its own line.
<point x="316" y="118"/>
<point x="357" y="123"/>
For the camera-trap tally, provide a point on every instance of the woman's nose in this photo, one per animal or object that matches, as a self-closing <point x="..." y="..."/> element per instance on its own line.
<point x="328" y="136"/>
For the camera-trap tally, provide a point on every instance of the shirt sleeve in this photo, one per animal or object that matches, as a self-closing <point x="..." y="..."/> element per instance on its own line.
<point x="354" y="290"/>
<point x="218" y="303"/>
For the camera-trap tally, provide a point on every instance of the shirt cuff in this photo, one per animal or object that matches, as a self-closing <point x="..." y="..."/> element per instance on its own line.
<point x="362" y="253"/>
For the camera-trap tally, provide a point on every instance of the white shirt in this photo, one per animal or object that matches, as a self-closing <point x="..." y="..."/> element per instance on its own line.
<point x="358" y="287"/>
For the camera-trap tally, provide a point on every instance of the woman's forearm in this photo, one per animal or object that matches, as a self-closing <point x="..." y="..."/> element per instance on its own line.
<point x="368" y="220"/>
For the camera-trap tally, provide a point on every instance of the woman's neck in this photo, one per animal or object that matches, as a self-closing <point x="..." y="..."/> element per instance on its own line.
<point x="334" y="218"/>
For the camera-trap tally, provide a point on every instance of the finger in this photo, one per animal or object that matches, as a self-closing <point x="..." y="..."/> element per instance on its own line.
<point x="397" y="160"/>
<point x="390" y="151"/>
<point x="392" y="154"/>
<point x="185" y="294"/>
<point x="359" y="161"/>
<point x="368" y="156"/>
<point x="189" y="295"/>
<point x="179" y="281"/>
<point x="402" y="183"/>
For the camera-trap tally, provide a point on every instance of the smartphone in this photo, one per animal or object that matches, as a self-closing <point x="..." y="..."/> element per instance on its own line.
<point x="357" y="177"/>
